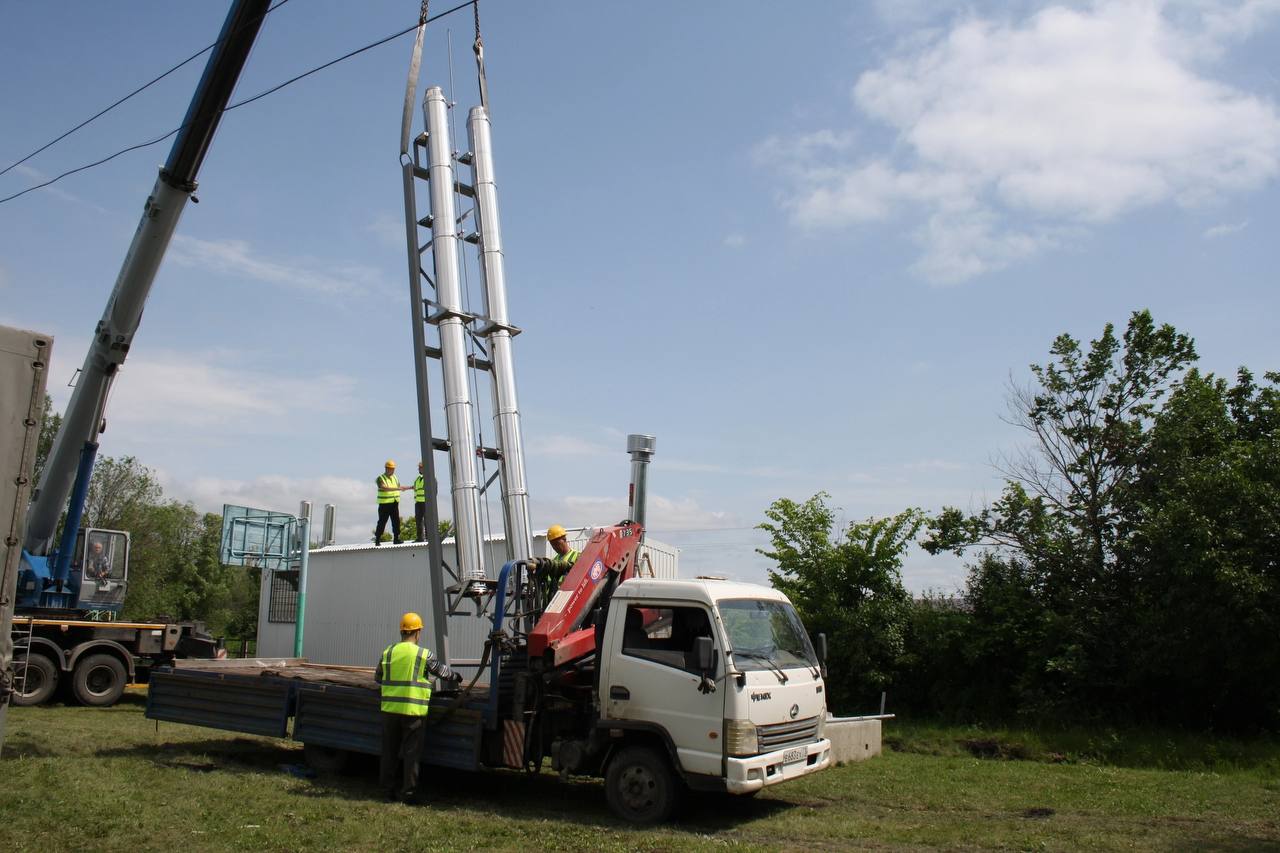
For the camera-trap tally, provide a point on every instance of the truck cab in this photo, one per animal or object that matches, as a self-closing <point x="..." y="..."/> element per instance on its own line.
<point x="715" y="678"/>
<point x="96" y="583"/>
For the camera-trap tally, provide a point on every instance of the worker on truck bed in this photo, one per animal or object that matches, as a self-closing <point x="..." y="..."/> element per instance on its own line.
<point x="554" y="569"/>
<point x="420" y="505"/>
<point x="404" y="676"/>
<point x="389" y="490"/>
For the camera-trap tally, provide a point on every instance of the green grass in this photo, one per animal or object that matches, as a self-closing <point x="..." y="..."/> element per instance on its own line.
<point x="107" y="779"/>
<point x="1137" y="748"/>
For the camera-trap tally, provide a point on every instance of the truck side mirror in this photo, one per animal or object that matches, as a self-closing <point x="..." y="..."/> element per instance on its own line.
<point x="822" y="654"/>
<point x="704" y="654"/>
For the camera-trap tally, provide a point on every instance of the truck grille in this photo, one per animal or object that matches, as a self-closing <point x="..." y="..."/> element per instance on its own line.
<point x="782" y="735"/>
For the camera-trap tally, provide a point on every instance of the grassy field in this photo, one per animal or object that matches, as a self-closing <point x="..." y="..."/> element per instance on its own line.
<point x="108" y="779"/>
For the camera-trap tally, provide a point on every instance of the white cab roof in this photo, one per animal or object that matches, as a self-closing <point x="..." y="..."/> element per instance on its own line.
<point x="705" y="590"/>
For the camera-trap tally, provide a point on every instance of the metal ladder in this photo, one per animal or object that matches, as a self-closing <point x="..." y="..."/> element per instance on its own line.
<point x="22" y="631"/>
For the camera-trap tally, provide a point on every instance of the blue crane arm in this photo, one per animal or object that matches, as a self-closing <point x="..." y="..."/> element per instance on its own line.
<point x="76" y="443"/>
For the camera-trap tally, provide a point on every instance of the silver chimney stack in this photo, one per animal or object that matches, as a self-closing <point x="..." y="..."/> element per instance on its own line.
<point x="499" y="331"/>
<point x="330" y="524"/>
<point x="641" y="449"/>
<point x="459" y="417"/>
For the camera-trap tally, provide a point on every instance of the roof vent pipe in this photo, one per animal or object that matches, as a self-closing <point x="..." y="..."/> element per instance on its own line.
<point x="641" y="449"/>
<point x="330" y="524"/>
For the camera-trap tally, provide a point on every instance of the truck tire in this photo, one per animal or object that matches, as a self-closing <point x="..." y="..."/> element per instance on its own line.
<point x="98" y="680"/>
<point x="640" y="785"/>
<point x="40" y="682"/>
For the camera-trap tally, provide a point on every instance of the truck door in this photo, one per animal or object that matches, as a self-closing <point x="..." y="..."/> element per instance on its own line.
<point x="653" y="678"/>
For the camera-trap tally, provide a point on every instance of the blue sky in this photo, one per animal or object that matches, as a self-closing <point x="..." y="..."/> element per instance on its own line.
<point x="807" y="246"/>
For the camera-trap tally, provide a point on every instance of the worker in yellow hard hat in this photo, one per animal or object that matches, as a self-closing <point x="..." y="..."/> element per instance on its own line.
<point x="389" y="490"/>
<point x="404" y="678"/>
<point x="553" y="569"/>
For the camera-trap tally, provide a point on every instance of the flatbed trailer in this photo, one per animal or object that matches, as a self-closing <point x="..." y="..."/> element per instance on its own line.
<point x="99" y="658"/>
<point x="334" y="710"/>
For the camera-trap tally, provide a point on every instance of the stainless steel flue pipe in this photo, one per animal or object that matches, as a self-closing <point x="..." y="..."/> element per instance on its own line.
<point x="641" y="448"/>
<point x="451" y="319"/>
<point x="499" y="331"/>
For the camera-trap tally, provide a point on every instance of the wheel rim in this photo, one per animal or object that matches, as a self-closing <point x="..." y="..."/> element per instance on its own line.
<point x="99" y="680"/>
<point x="638" y="788"/>
<point x="33" y="680"/>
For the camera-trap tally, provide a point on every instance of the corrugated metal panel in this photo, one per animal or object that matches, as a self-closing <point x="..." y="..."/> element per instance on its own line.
<point x="236" y="703"/>
<point x="339" y="717"/>
<point x="349" y="718"/>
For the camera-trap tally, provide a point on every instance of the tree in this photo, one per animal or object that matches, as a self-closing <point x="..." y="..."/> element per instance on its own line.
<point x="1205" y="552"/>
<point x="1129" y="568"/>
<point x="849" y="588"/>
<point x="50" y="423"/>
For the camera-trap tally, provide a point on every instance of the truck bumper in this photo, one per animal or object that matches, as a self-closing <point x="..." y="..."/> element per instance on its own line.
<point x="744" y="775"/>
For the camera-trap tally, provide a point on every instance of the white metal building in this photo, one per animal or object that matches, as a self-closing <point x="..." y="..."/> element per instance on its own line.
<point x="357" y="593"/>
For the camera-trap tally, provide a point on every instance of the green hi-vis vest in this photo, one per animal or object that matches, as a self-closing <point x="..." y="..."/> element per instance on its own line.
<point x="567" y="560"/>
<point x="406" y="686"/>
<point x="388" y="489"/>
<point x="419" y="490"/>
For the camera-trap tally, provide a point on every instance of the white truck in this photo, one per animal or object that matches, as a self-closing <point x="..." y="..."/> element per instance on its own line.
<point x="656" y="685"/>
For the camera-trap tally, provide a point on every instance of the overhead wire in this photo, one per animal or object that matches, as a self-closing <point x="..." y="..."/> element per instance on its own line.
<point x="237" y="104"/>
<point x="136" y="91"/>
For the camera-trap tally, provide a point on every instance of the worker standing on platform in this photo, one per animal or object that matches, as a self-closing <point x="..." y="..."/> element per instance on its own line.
<point x="404" y="676"/>
<point x="389" y="490"/>
<point x="420" y="505"/>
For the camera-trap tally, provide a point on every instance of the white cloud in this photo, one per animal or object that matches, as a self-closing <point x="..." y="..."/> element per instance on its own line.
<point x="238" y="258"/>
<point x="735" y="241"/>
<point x="662" y="512"/>
<point x="1066" y="120"/>
<point x="566" y="445"/>
<point x="388" y="230"/>
<point x="56" y="191"/>
<point x="355" y="514"/>
<point x="1225" y="229"/>
<point x="935" y="465"/>
<point x="219" y="391"/>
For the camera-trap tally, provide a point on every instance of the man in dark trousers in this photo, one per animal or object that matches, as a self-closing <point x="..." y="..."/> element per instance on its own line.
<point x="420" y="505"/>
<point x="404" y="675"/>
<point x="389" y="490"/>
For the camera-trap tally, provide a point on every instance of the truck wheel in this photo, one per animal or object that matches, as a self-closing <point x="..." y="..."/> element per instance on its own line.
<point x="41" y="680"/>
<point x="98" y="680"/>
<point x="326" y="759"/>
<point x="640" y="785"/>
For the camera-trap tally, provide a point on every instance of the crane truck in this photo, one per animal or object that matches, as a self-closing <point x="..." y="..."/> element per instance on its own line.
<point x="70" y="592"/>
<point x="657" y="686"/>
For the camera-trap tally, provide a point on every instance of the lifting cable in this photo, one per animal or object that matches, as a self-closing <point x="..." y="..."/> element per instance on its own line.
<point x="478" y="48"/>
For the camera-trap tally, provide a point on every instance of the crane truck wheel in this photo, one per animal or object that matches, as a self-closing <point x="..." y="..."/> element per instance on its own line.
<point x="98" y="680"/>
<point x="640" y="786"/>
<point x="38" y="682"/>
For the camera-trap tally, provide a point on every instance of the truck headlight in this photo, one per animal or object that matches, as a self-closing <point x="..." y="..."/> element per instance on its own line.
<point x="740" y="737"/>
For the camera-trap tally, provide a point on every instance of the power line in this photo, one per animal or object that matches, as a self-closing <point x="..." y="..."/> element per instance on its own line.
<point x="136" y="91"/>
<point x="241" y="103"/>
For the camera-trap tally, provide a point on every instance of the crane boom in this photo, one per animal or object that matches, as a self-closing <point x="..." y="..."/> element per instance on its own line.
<point x="71" y="458"/>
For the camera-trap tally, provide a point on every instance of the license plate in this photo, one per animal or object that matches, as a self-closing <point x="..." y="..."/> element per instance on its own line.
<point x="791" y="756"/>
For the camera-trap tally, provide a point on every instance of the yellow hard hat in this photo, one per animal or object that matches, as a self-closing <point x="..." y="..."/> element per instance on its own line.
<point x="391" y="463"/>
<point x="411" y="622"/>
<point x="555" y="531"/>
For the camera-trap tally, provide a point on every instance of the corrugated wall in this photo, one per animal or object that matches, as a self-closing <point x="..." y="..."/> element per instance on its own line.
<point x="357" y="593"/>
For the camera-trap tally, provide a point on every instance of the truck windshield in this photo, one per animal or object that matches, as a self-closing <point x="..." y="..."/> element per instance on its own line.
<point x="766" y="634"/>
